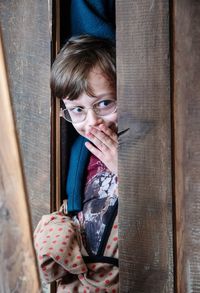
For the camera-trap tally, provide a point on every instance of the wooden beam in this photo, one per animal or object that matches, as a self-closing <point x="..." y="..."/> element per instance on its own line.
<point x="186" y="38"/>
<point x="145" y="185"/>
<point x="26" y="27"/>
<point x="55" y="125"/>
<point x="18" y="271"/>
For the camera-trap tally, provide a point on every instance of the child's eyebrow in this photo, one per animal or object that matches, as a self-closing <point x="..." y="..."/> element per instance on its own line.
<point x="76" y="103"/>
<point x="103" y="95"/>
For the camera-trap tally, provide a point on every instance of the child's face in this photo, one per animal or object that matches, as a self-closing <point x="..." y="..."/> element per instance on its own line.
<point x="102" y="90"/>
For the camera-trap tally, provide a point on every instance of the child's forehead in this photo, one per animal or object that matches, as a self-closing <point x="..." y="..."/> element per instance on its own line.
<point x="98" y="81"/>
<point x="95" y="84"/>
<point x="95" y="73"/>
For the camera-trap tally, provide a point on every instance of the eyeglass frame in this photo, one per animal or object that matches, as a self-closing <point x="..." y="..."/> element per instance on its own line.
<point x="87" y="108"/>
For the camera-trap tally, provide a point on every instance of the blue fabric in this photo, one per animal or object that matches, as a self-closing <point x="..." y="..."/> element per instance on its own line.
<point x="93" y="17"/>
<point x="79" y="158"/>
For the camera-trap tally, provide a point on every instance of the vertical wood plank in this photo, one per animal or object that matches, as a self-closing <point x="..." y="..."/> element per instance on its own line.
<point x="145" y="192"/>
<point x="55" y="126"/>
<point x="187" y="142"/>
<point x="17" y="260"/>
<point x="26" y="27"/>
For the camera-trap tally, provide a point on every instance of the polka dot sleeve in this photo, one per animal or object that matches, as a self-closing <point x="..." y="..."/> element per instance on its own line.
<point x="58" y="247"/>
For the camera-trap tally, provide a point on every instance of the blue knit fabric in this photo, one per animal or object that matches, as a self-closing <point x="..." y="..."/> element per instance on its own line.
<point x="93" y="17"/>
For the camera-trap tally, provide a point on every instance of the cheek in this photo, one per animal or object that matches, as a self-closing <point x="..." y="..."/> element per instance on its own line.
<point x="79" y="128"/>
<point x="112" y="119"/>
<point x="111" y="122"/>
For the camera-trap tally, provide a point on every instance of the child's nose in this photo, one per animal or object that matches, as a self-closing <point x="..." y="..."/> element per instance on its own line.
<point x="92" y="118"/>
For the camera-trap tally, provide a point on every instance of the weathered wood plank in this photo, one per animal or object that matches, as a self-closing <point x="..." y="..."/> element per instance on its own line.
<point x="145" y="214"/>
<point x="26" y="27"/>
<point x="55" y="126"/>
<point x="18" y="271"/>
<point x="187" y="142"/>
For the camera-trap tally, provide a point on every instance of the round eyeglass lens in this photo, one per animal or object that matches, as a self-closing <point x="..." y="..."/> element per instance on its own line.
<point x="105" y="108"/>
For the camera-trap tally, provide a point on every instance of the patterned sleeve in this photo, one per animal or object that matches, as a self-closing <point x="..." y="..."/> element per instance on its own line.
<point x="58" y="247"/>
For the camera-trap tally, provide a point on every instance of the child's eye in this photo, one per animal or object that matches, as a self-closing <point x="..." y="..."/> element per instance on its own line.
<point x="105" y="104"/>
<point x="76" y="110"/>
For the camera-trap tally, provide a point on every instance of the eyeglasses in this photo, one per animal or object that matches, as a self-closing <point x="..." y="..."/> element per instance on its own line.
<point x="78" y="114"/>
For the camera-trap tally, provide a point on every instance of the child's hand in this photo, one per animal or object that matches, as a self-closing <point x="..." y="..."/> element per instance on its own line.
<point x="104" y="145"/>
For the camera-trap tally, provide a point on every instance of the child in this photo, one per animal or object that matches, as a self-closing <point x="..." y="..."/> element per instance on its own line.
<point x="79" y="247"/>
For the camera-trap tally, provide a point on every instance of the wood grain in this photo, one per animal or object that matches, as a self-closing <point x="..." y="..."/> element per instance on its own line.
<point x="26" y="27"/>
<point x="187" y="143"/>
<point x="18" y="271"/>
<point x="145" y="209"/>
<point x="55" y="126"/>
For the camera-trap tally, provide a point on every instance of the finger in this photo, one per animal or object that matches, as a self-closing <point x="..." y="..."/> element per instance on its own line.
<point x="103" y="137"/>
<point x="108" y="131"/>
<point x="96" y="152"/>
<point x="98" y="141"/>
